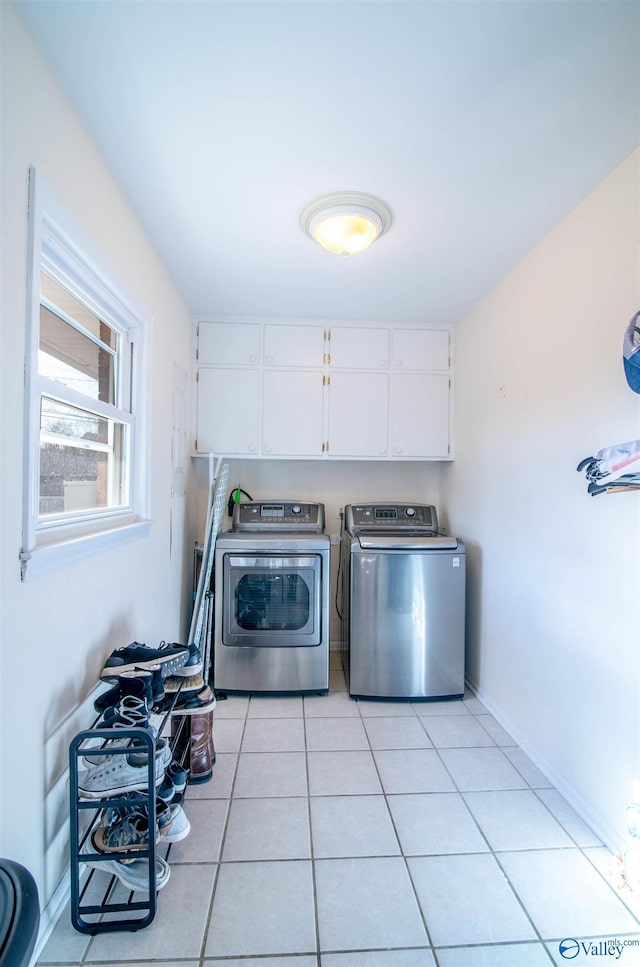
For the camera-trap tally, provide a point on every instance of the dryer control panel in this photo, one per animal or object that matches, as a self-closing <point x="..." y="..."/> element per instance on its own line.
<point x="278" y="515"/>
<point x="391" y="518"/>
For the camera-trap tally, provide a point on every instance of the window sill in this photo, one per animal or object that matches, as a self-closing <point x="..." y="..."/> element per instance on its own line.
<point x="59" y="550"/>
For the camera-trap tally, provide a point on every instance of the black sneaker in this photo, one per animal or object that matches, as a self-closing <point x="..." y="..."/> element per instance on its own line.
<point x="136" y="655"/>
<point x="193" y="665"/>
<point x="145" y="683"/>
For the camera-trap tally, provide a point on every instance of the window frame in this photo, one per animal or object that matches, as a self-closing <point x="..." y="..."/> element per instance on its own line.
<point x="57" y="246"/>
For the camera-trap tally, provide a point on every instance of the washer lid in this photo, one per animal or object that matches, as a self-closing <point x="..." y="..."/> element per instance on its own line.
<point x="418" y="542"/>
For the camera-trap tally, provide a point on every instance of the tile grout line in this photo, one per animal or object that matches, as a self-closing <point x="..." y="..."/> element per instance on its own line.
<point x="395" y="831"/>
<point x="311" y="848"/>
<point x="207" y="926"/>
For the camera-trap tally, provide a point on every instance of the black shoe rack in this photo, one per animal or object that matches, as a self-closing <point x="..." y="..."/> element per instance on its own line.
<point x="140" y="907"/>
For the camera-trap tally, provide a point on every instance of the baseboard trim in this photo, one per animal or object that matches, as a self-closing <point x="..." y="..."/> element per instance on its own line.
<point x="51" y="914"/>
<point x="610" y="837"/>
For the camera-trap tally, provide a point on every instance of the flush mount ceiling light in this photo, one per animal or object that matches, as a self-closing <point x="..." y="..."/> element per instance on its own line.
<point x="346" y="222"/>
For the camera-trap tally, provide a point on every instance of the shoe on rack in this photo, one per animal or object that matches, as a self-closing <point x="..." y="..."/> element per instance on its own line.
<point x="180" y="825"/>
<point x="130" y="713"/>
<point x="116" y="775"/>
<point x="193" y="664"/>
<point x="137" y="655"/>
<point x="128" y="831"/>
<point x="124" y="705"/>
<point x="178" y="775"/>
<point x="134" y="875"/>
<point x="193" y="703"/>
<point x="192" y="683"/>
<point x="146" y="683"/>
<point x="174" y="782"/>
<point x="138" y="804"/>
<point x="200" y="748"/>
<point x="138" y="757"/>
<point x="136" y="683"/>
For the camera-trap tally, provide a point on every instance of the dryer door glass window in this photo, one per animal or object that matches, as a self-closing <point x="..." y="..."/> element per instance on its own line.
<point x="272" y="601"/>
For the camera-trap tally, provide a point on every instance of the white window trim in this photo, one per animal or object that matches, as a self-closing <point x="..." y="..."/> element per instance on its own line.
<point x="57" y="244"/>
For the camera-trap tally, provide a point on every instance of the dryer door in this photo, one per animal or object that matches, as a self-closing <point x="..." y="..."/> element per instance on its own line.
<point x="272" y="600"/>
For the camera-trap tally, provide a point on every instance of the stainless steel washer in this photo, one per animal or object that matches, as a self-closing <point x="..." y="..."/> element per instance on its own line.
<point x="403" y="603"/>
<point x="271" y="581"/>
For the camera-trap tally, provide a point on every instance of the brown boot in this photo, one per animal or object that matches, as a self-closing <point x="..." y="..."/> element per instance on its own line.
<point x="201" y="746"/>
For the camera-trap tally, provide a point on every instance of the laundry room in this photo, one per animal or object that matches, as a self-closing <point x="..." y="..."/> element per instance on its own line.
<point x="469" y="360"/>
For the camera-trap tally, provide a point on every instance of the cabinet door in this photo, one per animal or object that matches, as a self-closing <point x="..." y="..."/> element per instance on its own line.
<point x="299" y="346"/>
<point x="419" y="423"/>
<point x="423" y="349"/>
<point x="228" y="344"/>
<point x="228" y="419"/>
<point x="358" y="415"/>
<point x="359" y="348"/>
<point x="292" y="413"/>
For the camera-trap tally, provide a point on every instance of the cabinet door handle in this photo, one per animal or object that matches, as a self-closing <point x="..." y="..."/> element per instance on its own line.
<point x="267" y="448"/>
<point x="398" y="363"/>
<point x="252" y="448"/>
<point x="397" y="451"/>
<point x="252" y="358"/>
<point x="382" y="451"/>
<point x="269" y="359"/>
<point x="384" y="363"/>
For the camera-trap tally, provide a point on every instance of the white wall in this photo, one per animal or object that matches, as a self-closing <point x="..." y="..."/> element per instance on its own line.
<point x="56" y="630"/>
<point x="333" y="483"/>
<point x="554" y="593"/>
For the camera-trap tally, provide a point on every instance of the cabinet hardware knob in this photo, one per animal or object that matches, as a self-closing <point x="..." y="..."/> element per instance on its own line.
<point x="269" y="359"/>
<point x="252" y="448"/>
<point x="384" y="363"/>
<point x="398" y="363"/>
<point x="267" y="448"/>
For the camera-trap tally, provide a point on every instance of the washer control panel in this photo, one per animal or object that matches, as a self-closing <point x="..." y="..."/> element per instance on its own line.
<point x="391" y="518"/>
<point x="281" y="515"/>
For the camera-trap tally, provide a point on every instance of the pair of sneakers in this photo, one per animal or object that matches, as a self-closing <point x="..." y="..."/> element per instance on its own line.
<point x="133" y="874"/>
<point x="117" y="760"/>
<point x="170" y="657"/>
<point x="126" y="827"/>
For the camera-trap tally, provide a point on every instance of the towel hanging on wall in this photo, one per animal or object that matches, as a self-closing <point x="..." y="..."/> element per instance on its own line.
<point x="613" y="468"/>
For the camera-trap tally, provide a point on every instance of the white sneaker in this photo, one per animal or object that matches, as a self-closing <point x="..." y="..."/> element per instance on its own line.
<point x="117" y="775"/>
<point x="180" y="825"/>
<point x="135" y="876"/>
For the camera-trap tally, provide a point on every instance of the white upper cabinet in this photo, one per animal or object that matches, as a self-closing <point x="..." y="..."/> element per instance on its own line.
<point x="271" y="389"/>
<point x="359" y="348"/>
<point x="358" y="415"/>
<point x="292" y="411"/>
<point x="420" y="349"/>
<point x="419" y="416"/>
<point x="297" y="346"/>
<point x="228" y="344"/>
<point x="228" y="411"/>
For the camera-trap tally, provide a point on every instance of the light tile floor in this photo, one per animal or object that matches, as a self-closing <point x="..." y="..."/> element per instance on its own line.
<point x="337" y="833"/>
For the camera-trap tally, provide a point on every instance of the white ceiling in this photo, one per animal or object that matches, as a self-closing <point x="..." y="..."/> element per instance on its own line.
<point x="481" y="124"/>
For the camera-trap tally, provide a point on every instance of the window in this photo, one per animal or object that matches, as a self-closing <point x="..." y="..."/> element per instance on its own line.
<point x="84" y="466"/>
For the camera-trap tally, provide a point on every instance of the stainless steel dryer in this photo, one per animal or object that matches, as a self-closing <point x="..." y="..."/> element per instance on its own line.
<point x="403" y="603"/>
<point x="271" y="581"/>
